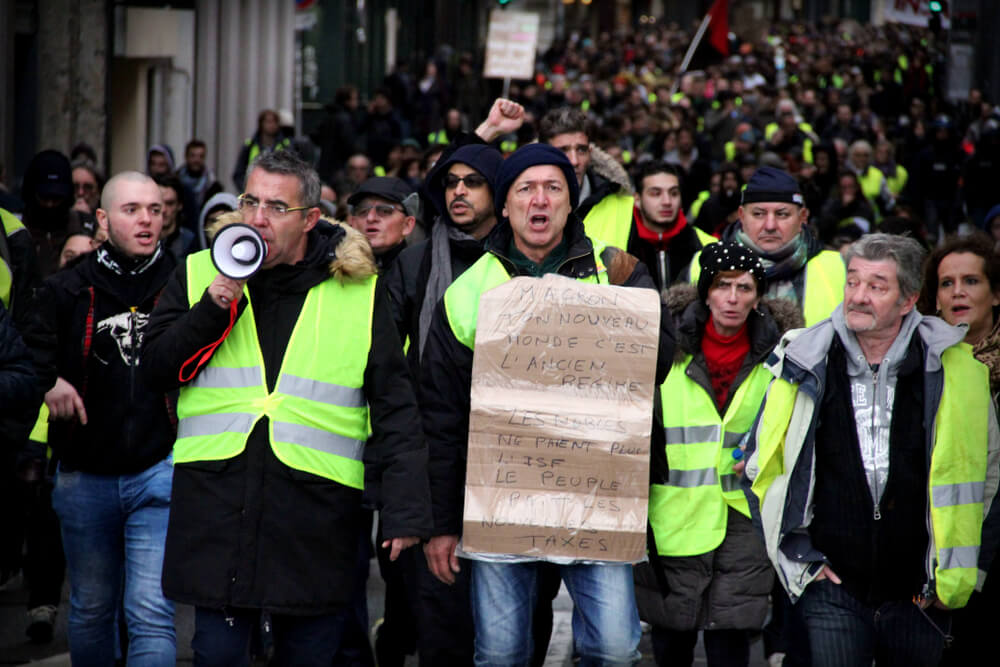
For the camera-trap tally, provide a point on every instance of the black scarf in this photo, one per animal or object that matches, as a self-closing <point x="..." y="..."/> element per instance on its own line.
<point x="121" y="264"/>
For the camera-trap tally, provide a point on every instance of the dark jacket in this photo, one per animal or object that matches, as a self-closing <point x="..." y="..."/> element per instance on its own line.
<point x="19" y="396"/>
<point x="18" y="252"/>
<point x="18" y="387"/>
<point x="337" y="138"/>
<point x="49" y="175"/>
<point x="406" y="283"/>
<point x="250" y="531"/>
<point x="679" y="252"/>
<point x="835" y="215"/>
<point x="446" y="376"/>
<point x="130" y="425"/>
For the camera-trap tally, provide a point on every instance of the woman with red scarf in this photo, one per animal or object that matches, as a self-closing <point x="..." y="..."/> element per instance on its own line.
<point x="708" y="569"/>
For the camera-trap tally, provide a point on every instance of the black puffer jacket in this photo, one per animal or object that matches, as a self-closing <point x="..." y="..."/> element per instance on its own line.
<point x="250" y="531"/>
<point x="446" y="376"/>
<point x="130" y="426"/>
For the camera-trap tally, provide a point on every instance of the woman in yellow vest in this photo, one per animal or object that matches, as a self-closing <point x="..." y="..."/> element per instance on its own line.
<point x="962" y="286"/>
<point x="713" y="572"/>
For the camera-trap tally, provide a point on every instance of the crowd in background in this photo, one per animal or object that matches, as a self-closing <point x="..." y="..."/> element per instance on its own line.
<point x="856" y="113"/>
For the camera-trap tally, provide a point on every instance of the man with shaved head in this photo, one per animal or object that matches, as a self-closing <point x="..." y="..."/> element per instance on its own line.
<point x="111" y="433"/>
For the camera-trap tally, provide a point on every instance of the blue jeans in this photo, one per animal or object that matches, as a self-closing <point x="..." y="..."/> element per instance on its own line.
<point x="605" y="618"/>
<point x="113" y="530"/>
<point x="845" y="632"/>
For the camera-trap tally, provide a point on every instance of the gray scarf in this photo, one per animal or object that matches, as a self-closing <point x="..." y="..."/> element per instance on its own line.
<point x="440" y="276"/>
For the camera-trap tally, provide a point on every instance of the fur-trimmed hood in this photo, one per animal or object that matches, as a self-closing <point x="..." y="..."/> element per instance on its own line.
<point x="773" y="317"/>
<point x="347" y="250"/>
<point x="608" y="168"/>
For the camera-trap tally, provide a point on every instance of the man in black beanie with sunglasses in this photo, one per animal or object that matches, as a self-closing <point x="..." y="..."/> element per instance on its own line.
<point x="460" y="187"/>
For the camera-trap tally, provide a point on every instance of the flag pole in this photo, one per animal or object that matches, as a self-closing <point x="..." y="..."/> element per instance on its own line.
<point x="690" y="52"/>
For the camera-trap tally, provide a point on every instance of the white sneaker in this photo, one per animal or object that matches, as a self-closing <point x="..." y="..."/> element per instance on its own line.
<point x="775" y="659"/>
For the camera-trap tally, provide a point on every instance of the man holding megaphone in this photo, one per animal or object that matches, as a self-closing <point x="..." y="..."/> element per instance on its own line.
<point x="284" y="350"/>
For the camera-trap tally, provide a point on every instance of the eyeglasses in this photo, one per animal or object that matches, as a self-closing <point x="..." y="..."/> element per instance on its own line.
<point x="471" y="181"/>
<point x="381" y="210"/>
<point x="248" y="206"/>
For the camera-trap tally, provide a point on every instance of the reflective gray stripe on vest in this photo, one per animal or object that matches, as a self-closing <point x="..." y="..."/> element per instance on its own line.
<point x="227" y="422"/>
<point x="949" y="495"/>
<point x="214" y="377"/>
<point x="318" y="439"/>
<point x="686" y="435"/>
<point x="730" y="482"/>
<point x="687" y="479"/>
<point x="321" y="392"/>
<point x="732" y="439"/>
<point x="959" y="557"/>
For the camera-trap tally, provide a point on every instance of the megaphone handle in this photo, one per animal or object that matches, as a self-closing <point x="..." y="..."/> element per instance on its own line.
<point x="201" y="357"/>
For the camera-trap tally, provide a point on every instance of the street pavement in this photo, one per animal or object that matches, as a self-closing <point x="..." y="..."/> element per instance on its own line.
<point x="16" y="650"/>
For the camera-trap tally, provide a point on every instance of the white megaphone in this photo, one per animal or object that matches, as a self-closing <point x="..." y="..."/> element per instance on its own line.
<point x="238" y="251"/>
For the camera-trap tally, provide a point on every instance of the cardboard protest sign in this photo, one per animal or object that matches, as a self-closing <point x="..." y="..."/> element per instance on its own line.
<point x="562" y="402"/>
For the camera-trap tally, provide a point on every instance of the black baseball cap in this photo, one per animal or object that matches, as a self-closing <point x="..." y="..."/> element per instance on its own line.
<point x="389" y="188"/>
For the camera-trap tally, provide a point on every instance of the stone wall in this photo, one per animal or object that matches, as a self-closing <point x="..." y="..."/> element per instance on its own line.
<point x="73" y="51"/>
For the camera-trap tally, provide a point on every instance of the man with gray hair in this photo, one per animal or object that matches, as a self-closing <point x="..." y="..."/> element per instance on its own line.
<point x="874" y="186"/>
<point x="281" y="378"/>
<point x="867" y="467"/>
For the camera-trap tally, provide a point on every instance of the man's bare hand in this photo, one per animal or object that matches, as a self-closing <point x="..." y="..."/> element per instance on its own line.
<point x="225" y="291"/>
<point x="398" y="544"/>
<point x="64" y="402"/>
<point x="505" y="117"/>
<point x="827" y="573"/>
<point x="441" y="558"/>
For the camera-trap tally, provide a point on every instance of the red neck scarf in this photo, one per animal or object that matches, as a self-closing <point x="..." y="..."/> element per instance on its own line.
<point x="724" y="356"/>
<point x="659" y="239"/>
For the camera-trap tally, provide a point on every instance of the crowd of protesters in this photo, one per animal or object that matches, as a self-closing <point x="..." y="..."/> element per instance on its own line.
<point x="827" y="157"/>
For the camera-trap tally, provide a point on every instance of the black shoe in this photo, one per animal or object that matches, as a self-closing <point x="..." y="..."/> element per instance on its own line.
<point x="41" y="623"/>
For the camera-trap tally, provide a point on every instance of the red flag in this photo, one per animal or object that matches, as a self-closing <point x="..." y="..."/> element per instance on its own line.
<point x="718" y="29"/>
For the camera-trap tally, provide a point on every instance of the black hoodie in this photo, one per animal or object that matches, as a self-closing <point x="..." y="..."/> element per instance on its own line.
<point x="407" y="278"/>
<point x="48" y="175"/>
<point x="130" y="425"/>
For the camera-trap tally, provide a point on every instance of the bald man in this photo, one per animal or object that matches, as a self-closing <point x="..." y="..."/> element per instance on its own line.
<point x="111" y="433"/>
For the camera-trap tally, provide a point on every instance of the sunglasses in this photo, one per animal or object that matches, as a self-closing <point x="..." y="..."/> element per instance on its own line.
<point x="471" y="181"/>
